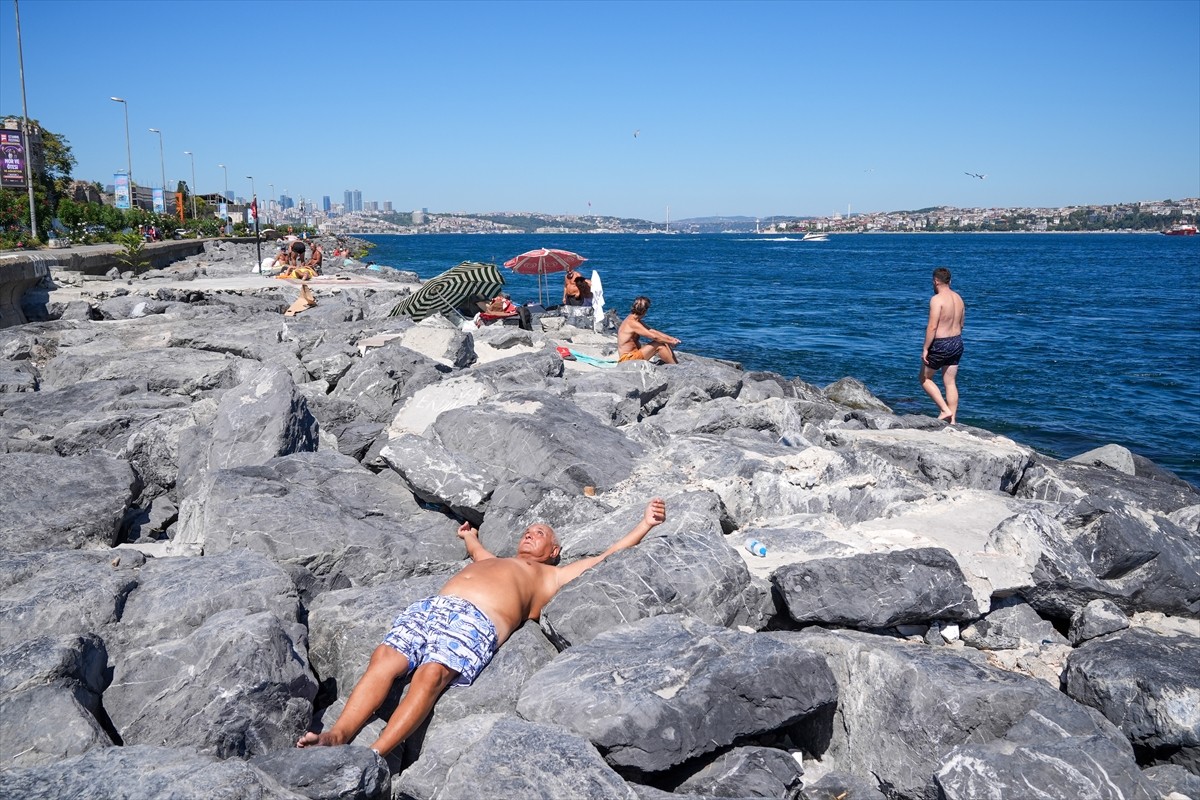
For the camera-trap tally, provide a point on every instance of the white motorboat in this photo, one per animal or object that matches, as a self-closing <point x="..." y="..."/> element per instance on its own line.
<point x="813" y="236"/>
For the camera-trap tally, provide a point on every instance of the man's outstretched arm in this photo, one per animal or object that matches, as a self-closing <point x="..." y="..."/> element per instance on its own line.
<point x="470" y="537"/>
<point x="655" y="514"/>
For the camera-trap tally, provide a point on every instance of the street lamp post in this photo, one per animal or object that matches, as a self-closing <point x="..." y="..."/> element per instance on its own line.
<point x="257" y="241"/>
<point x="193" y="157"/>
<point x="128" y="149"/>
<point x="161" y="165"/>
<point x="226" y="195"/>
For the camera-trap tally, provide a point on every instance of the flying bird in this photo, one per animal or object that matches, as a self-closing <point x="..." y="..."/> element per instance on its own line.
<point x="975" y="175"/>
<point x="635" y="133"/>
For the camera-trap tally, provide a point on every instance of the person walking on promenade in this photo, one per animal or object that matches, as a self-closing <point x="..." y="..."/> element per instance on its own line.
<point x="629" y="342"/>
<point x="943" y="344"/>
<point x="449" y="638"/>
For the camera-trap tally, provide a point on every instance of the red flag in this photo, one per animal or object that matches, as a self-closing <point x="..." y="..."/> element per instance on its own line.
<point x="254" y="207"/>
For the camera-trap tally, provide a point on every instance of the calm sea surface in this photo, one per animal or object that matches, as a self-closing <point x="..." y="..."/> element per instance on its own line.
<point x="1072" y="340"/>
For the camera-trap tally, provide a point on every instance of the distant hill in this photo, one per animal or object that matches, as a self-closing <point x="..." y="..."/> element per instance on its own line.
<point x="737" y="224"/>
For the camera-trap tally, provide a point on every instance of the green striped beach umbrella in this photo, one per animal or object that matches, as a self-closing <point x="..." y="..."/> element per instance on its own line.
<point x="470" y="279"/>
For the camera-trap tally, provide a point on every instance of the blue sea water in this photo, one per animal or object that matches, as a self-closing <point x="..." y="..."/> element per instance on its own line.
<point x="1072" y="340"/>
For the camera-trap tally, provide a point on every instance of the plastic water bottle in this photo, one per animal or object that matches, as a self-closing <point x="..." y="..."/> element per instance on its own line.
<point x="756" y="547"/>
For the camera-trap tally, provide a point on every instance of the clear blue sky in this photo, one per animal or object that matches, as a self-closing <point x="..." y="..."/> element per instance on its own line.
<point x="741" y="107"/>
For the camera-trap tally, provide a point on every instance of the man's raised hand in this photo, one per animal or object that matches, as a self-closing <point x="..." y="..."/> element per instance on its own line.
<point x="465" y="529"/>
<point x="656" y="512"/>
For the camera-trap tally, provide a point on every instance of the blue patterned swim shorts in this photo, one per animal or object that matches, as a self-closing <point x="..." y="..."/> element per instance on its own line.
<point x="448" y="630"/>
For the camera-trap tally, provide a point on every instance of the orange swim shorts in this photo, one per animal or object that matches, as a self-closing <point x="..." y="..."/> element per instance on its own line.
<point x="635" y="355"/>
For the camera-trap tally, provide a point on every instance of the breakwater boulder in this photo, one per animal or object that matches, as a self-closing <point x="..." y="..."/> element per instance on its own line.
<point x="210" y="514"/>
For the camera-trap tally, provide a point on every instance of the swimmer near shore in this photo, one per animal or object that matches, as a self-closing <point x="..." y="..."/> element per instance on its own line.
<point x="943" y="344"/>
<point x="449" y="638"/>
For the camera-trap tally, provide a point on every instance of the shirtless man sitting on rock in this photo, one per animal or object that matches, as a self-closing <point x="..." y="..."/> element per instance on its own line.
<point x="629" y="337"/>
<point x="449" y="638"/>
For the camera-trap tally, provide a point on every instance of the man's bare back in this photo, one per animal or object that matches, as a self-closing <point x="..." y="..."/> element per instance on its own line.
<point x="948" y="307"/>
<point x="629" y="337"/>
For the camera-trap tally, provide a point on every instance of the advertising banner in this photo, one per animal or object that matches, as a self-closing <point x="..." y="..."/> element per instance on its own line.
<point x="121" y="190"/>
<point x="159" y="204"/>
<point x="222" y="210"/>
<point x="12" y="159"/>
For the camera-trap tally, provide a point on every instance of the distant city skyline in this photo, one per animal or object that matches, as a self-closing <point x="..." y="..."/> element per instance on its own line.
<point x="747" y="109"/>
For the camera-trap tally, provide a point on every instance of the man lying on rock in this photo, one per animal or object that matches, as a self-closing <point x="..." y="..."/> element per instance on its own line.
<point x="448" y="639"/>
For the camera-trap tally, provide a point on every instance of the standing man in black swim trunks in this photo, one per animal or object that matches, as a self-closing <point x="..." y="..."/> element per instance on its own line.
<point x="943" y="344"/>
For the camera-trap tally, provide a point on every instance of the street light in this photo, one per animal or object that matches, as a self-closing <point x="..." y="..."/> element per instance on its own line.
<point x="189" y="153"/>
<point x="128" y="150"/>
<point x="162" y="166"/>
<point x="251" y="179"/>
<point x="226" y="195"/>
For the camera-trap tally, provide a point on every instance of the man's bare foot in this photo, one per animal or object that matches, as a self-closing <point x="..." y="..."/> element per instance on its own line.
<point x="947" y="414"/>
<point x="326" y="739"/>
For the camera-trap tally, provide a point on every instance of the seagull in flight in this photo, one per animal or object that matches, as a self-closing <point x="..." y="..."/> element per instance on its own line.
<point x="635" y="133"/>
<point x="975" y="175"/>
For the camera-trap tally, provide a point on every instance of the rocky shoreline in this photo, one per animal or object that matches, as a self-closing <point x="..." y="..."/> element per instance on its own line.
<point x="211" y="513"/>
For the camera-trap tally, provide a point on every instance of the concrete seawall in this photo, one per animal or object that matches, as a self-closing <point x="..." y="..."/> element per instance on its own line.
<point x="20" y="272"/>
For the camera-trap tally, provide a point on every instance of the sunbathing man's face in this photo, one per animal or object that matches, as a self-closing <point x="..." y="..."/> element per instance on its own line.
<point x="540" y="542"/>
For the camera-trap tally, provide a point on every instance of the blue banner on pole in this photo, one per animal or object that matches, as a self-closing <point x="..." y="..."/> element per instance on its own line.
<point x="121" y="190"/>
<point x="159" y="205"/>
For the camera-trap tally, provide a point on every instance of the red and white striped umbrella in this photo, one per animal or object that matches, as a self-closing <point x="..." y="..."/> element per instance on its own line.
<point x="542" y="261"/>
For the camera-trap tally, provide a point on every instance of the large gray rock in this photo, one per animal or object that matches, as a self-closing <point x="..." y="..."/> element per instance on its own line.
<point x="63" y="592"/>
<point x="1153" y="488"/>
<point x="747" y="772"/>
<point x="261" y="418"/>
<point x="1097" y="618"/>
<point x="1140" y="564"/>
<point x="321" y="512"/>
<point x="170" y="370"/>
<point x="52" y="503"/>
<point x="658" y="692"/>
<point x="946" y="458"/>
<point x="541" y="437"/>
<point x="1148" y="562"/>
<point x="1011" y="625"/>
<point x="384" y="375"/>
<point x="50" y="691"/>
<point x="1148" y="686"/>
<point x="144" y="772"/>
<point x="684" y="566"/>
<point x="175" y="596"/>
<point x="877" y="590"/>
<point x="903" y="708"/>
<point x="116" y="418"/>
<point x="329" y="773"/>
<point x="238" y="685"/>
<point x="494" y="751"/>
<point x="1069" y="768"/>
<point x="439" y="476"/>
<point x="853" y="393"/>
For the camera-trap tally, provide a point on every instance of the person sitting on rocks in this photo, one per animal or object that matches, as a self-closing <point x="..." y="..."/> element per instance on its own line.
<point x="316" y="258"/>
<point x="449" y="638"/>
<point x="577" y="290"/>
<point x="629" y="341"/>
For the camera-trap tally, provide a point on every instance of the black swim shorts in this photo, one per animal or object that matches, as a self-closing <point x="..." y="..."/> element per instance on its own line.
<point x="944" y="352"/>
